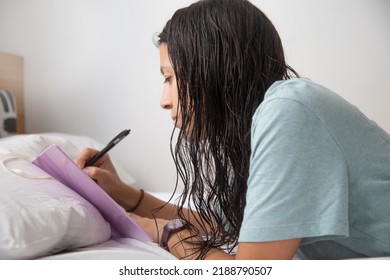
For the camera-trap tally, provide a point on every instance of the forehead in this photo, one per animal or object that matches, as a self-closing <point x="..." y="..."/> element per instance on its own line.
<point x="165" y="63"/>
<point x="164" y="52"/>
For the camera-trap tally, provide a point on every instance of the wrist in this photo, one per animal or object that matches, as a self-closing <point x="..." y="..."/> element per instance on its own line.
<point x="127" y="197"/>
<point x="179" y="241"/>
<point x="138" y="202"/>
<point x="170" y="230"/>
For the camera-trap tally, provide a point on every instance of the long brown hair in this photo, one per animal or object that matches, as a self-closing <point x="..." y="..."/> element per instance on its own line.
<point x="225" y="54"/>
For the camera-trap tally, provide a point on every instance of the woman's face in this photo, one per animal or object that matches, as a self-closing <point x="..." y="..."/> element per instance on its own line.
<point x="169" y="99"/>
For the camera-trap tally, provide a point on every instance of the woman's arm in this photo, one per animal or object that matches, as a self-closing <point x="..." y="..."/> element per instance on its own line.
<point x="179" y="244"/>
<point x="128" y="197"/>
<point x="105" y="175"/>
<point x="275" y="250"/>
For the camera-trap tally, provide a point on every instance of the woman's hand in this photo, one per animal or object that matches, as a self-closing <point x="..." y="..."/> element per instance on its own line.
<point x="103" y="172"/>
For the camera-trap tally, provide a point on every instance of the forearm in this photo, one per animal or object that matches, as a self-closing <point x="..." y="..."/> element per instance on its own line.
<point x="128" y="197"/>
<point x="150" y="204"/>
<point x="272" y="250"/>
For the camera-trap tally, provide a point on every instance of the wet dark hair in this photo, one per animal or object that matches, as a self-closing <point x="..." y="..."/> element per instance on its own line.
<point x="225" y="55"/>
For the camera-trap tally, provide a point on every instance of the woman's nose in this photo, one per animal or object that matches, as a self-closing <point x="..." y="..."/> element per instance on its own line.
<point x="166" y="101"/>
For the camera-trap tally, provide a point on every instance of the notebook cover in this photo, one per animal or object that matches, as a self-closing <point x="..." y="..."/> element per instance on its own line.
<point x="57" y="163"/>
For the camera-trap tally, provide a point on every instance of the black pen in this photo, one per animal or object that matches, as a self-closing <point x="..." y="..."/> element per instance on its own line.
<point x="109" y="146"/>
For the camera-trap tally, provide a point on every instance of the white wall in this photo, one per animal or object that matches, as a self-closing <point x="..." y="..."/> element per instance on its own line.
<point x="91" y="67"/>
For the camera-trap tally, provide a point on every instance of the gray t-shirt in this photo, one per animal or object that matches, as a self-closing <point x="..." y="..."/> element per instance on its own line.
<point x="320" y="170"/>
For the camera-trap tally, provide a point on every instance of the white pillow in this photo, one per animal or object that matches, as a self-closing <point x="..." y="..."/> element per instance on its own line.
<point x="39" y="217"/>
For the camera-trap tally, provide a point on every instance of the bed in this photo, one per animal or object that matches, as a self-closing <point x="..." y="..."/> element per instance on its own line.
<point x="39" y="217"/>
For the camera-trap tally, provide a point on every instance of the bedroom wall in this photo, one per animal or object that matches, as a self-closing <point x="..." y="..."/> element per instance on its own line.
<point x="91" y="67"/>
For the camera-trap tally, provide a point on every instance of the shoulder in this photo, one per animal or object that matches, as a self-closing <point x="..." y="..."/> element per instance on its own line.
<point x="300" y="90"/>
<point x="286" y="100"/>
<point x="294" y="96"/>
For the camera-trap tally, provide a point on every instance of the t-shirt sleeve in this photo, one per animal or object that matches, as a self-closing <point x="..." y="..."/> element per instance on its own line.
<point x="298" y="183"/>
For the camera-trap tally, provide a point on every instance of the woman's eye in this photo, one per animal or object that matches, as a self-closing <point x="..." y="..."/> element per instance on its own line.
<point x="167" y="80"/>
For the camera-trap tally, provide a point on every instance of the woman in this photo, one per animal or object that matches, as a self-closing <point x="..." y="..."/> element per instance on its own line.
<point x="271" y="163"/>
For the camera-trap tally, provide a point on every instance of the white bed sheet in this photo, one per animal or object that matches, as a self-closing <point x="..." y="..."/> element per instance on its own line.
<point x="115" y="249"/>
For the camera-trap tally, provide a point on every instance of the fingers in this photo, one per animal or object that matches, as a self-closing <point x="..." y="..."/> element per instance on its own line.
<point x="91" y="171"/>
<point x="100" y="175"/>
<point x="84" y="156"/>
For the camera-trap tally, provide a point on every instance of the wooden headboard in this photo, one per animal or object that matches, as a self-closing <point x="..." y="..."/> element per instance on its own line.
<point x="11" y="78"/>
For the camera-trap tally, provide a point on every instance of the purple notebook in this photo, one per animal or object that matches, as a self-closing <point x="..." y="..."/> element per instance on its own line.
<point x="58" y="164"/>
